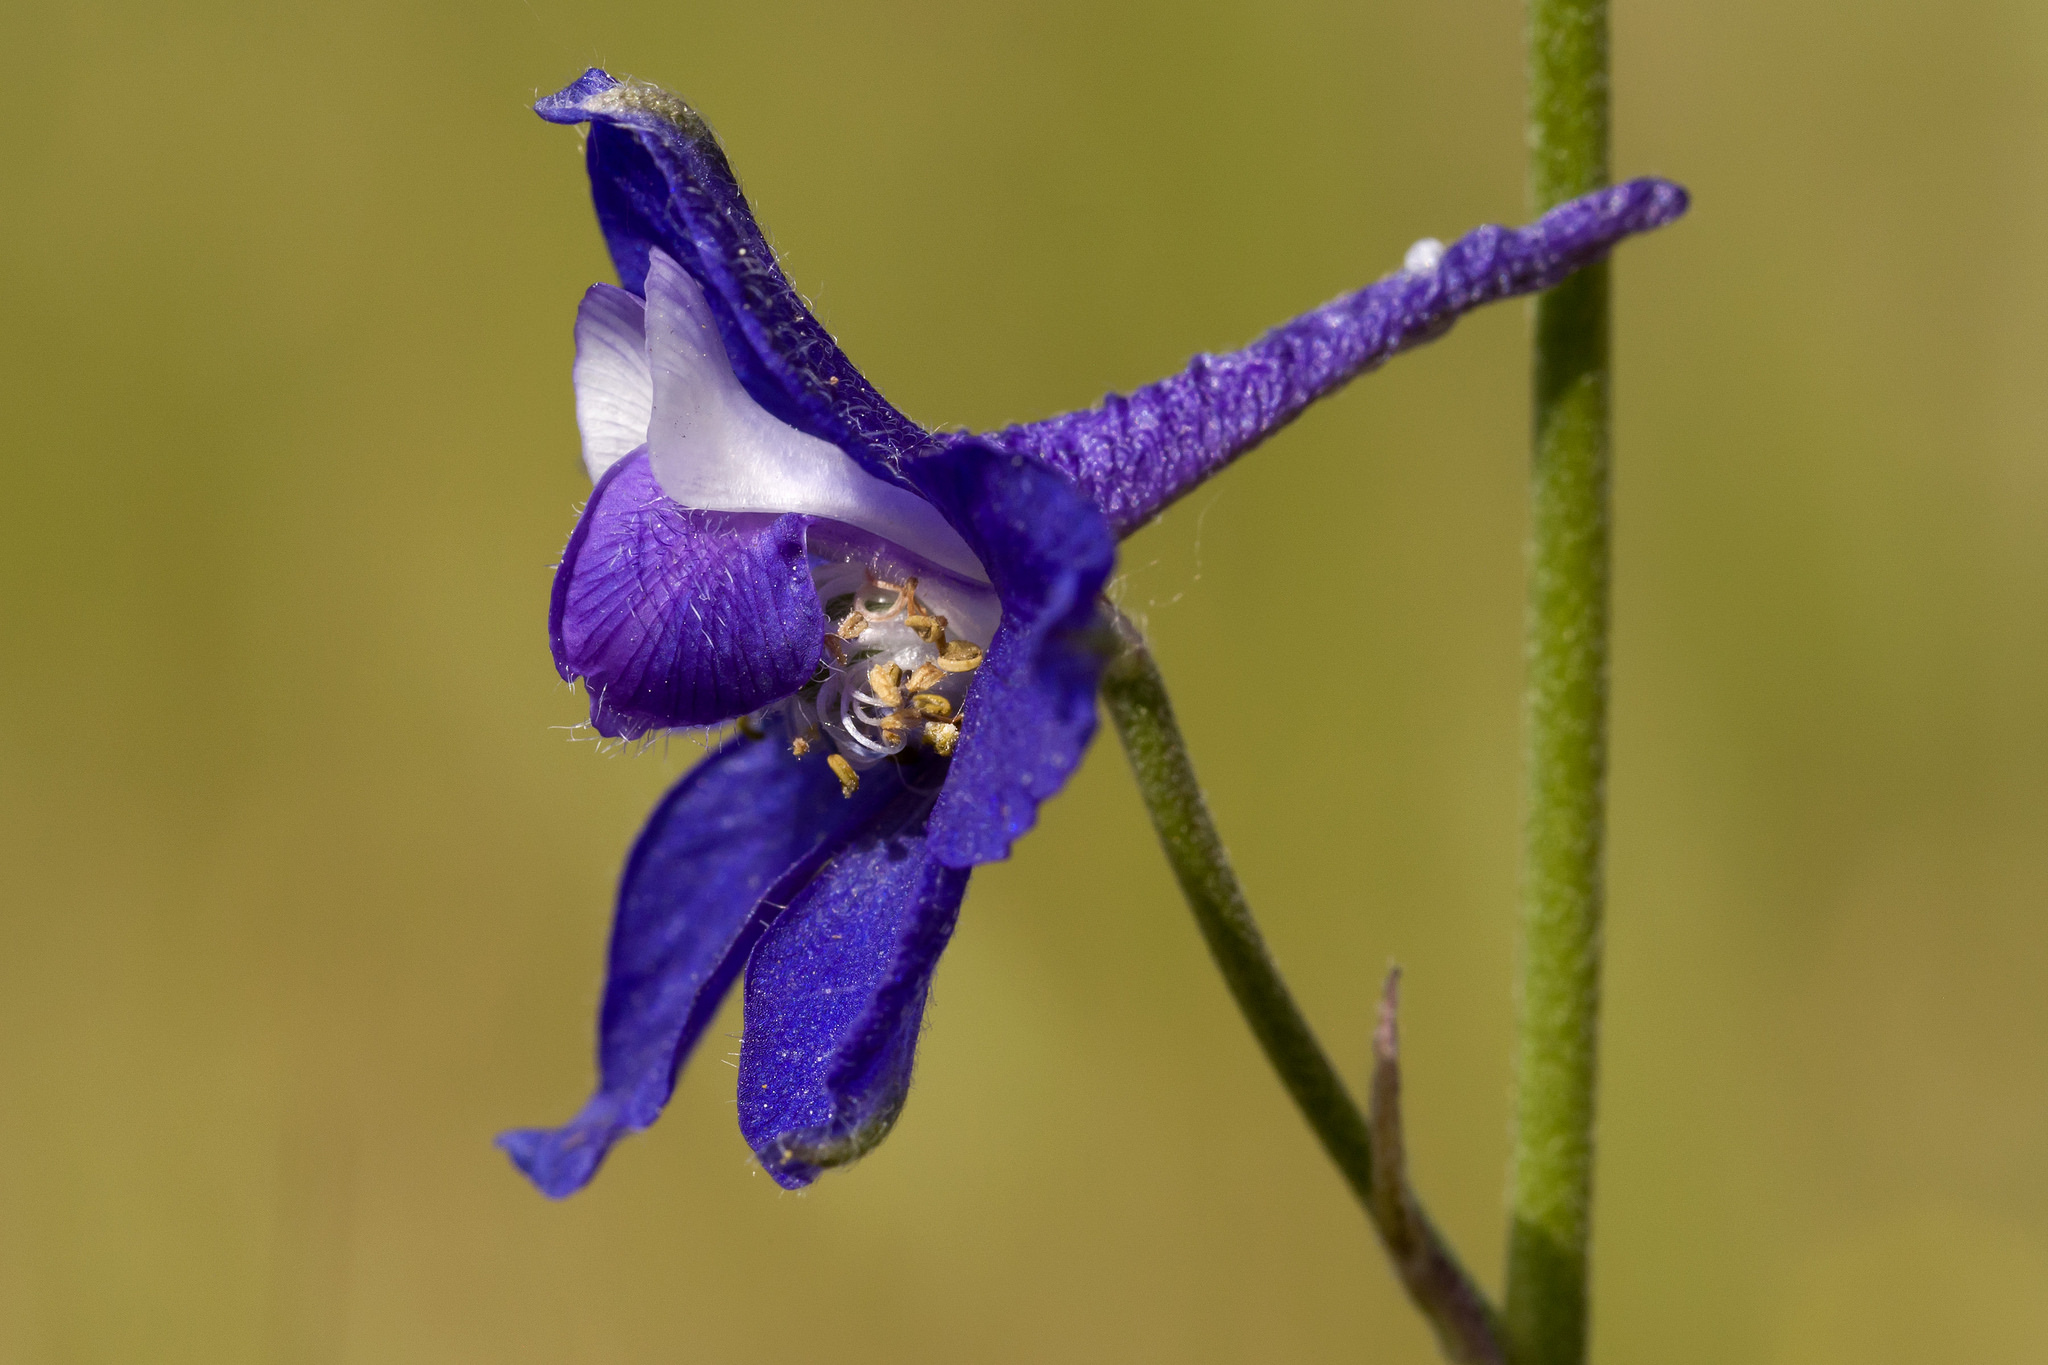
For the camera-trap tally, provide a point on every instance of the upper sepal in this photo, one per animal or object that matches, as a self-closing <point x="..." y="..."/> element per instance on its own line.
<point x="660" y="179"/>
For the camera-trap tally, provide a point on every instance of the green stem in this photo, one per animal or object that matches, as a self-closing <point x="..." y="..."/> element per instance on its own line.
<point x="1135" y="695"/>
<point x="1552" y="1164"/>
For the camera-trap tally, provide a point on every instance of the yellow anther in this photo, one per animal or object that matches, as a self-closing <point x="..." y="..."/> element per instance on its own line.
<point x="883" y="680"/>
<point x="931" y="629"/>
<point x="931" y="705"/>
<point x="850" y="629"/>
<point x="960" y="657"/>
<point x="849" y="780"/>
<point x="925" y="679"/>
<point x="942" y="737"/>
<point x="800" y="746"/>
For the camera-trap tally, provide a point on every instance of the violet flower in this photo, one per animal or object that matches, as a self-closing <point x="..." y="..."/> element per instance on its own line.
<point x="903" y="622"/>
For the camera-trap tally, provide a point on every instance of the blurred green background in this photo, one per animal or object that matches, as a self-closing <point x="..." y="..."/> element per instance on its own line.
<point x="307" y="883"/>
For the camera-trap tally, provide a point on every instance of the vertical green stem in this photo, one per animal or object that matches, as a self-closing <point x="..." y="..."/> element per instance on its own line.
<point x="1546" y="1302"/>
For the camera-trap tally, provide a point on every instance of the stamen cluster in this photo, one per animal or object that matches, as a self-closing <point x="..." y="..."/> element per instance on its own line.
<point x="889" y="679"/>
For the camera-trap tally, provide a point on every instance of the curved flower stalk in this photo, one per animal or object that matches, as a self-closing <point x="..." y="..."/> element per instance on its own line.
<point x="903" y="623"/>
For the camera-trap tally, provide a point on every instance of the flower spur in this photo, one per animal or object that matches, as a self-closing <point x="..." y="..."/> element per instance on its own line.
<point x="903" y="623"/>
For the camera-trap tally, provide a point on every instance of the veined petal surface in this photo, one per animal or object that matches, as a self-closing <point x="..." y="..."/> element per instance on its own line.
<point x="674" y="617"/>
<point x="614" y="391"/>
<point x="723" y="851"/>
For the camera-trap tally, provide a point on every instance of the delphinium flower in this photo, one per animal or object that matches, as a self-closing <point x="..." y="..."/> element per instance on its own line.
<point x="903" y="625"/>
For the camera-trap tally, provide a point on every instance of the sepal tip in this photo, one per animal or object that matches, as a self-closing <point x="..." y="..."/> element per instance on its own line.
<point x="570" y="103"/>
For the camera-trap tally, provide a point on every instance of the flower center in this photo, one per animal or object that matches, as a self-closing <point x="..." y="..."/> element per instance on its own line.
<point x="891" y="679"/>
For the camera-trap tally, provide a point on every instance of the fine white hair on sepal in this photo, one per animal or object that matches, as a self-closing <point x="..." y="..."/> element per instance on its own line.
<point x="1423" y="256"/>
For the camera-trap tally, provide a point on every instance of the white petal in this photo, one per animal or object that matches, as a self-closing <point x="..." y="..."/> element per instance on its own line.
<point x="714" y="447"/>
<point x="614" y="394"/>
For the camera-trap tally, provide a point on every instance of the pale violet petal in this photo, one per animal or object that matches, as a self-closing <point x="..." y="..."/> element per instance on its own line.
<point x="714" y="447"/>
<point x="614" y="393"/>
